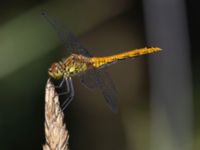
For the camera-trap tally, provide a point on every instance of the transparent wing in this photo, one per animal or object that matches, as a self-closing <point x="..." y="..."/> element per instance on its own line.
<point x="70" y="41"/>
<point x="92" y="79"/>
<point x="100" y="79"/>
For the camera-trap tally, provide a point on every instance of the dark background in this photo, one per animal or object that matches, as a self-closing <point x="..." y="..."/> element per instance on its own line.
<point x="28" y="45"/>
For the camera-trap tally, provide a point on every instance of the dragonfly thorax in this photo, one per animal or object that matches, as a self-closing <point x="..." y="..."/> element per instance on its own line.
<point x="73" y="65"/>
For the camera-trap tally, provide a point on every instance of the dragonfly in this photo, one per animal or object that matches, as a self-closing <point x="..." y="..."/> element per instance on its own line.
<point x="90" y="69"/>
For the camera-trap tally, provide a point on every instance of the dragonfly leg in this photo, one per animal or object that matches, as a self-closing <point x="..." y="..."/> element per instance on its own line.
<point x="67" y="88"/>
<point x="70" y="91"/>
<point x="61" y="83"/>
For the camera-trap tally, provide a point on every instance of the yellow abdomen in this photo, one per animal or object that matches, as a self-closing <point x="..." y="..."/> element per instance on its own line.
<point x="101" y="61"/>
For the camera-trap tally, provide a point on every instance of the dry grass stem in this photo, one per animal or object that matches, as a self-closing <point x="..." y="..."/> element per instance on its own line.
<point x="56" y="133"/>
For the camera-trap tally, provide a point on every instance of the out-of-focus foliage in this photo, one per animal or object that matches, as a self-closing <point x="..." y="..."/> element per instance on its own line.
<point x="28" y="45"/>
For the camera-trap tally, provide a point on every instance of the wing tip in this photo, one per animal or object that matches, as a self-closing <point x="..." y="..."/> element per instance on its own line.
<point x="115" y="110"/>
<point x="44" y="12"/>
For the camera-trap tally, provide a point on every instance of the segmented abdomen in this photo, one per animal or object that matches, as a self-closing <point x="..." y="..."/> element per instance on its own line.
<point x="102" y="61"/>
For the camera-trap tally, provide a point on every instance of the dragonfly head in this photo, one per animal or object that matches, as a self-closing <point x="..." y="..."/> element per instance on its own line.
<point x="55" y="71"/>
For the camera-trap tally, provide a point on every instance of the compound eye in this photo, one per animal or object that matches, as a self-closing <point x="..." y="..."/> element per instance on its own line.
<point x="53" y="67"/>
<point x="50" y="70"/>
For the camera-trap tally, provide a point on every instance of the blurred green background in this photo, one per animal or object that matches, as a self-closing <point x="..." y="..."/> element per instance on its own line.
<point x="28" y="45"/>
